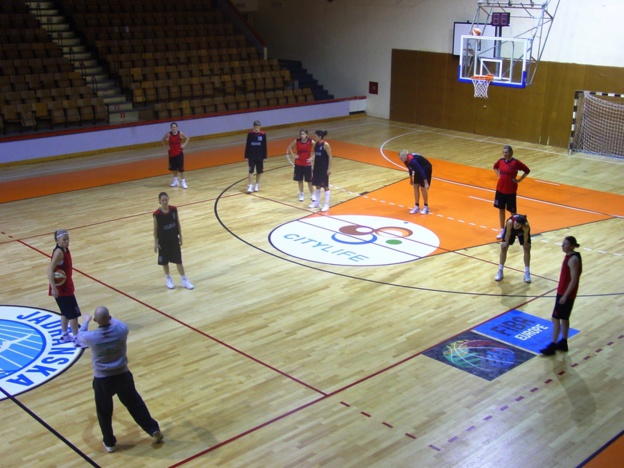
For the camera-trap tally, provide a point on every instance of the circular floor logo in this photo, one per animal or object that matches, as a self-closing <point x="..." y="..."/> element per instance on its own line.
<point x="30" y="349"/>
<point x="354" y="240"/>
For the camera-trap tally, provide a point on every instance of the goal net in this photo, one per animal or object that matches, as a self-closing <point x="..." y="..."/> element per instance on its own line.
<point x="598" y="124"/>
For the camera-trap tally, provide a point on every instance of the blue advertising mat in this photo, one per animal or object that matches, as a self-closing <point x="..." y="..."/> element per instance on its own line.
<point x="478" y="355"/>
<point x="521" y="330"/>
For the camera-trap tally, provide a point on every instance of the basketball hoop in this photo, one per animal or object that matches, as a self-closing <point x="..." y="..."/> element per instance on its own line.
<point x="481" y="84"/>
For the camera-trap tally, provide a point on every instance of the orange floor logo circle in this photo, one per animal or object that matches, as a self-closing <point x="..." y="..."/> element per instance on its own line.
<point x="354" y="240"/>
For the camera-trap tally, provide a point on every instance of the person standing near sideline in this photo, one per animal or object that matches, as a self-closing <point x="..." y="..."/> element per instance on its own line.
<point x="507" y="169"/>
<point x="177" y="141"/>
<point x="421" y="170"/>
<point x="168" y="240"/>
<point x="303" y="162"/>
<point x="111" y="376"/>
<point x="64" y="294"/>
<point x="255" y="154"/>
<point x="321" y="170"/>
<point x="517" y="226"/>
<point x="569" y="278"/>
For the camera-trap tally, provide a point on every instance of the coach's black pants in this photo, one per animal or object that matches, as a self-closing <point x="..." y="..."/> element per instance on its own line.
<point x="121" y="385"/>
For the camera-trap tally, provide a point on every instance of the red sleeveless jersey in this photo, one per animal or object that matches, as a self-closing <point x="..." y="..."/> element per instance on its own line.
<point x="175" y="145"/>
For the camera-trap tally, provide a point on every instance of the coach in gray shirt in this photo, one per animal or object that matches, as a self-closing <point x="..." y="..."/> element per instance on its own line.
<point x="112" y="377"/>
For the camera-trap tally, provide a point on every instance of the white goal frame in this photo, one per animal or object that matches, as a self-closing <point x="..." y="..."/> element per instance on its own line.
<point x="598" y="124"/>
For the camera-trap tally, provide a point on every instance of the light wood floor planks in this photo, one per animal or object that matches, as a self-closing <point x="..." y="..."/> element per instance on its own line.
<point x="278" y="360"/>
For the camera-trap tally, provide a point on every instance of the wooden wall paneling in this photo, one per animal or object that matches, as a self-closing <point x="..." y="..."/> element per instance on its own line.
<point x="526" y="109"/>
<point x="431" y="89"/>
<point x="491" y="114"/>
<point x="604" y="79"/>
<point x="403" y="89"/>
<point x="460" y="104"/>
<point x="562" y="80"/>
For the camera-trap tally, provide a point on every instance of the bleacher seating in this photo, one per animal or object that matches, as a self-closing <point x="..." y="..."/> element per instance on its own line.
<point x="202" y="68"/>
<point x="34" y="75"/>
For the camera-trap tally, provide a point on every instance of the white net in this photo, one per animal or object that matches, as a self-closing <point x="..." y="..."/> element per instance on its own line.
<point x="598" y="126"/>
<point x="481" y="85"/>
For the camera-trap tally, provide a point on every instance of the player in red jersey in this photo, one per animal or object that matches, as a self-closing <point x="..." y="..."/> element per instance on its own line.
<point x="177" y="141"/>
<point x="64" y="294"/>
<point x="507" y="169"/>
<point x="571" y="270"/>
<point x="303" y="162"/>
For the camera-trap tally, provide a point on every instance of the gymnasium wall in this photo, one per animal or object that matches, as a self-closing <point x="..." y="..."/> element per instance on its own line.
<point x="425" y="91"/>
<point x="348" y="43"/>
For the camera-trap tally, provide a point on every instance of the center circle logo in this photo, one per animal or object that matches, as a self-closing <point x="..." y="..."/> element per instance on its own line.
<point x="31" y="352"/>
<point x="354" y="240"/>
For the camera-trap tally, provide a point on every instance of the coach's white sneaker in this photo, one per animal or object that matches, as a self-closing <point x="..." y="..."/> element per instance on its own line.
<point x="108" y="449"/>
<point x="499" y="275"/>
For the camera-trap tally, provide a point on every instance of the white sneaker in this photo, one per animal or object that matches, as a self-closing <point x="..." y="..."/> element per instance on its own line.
<point x="425" y="210"/>
<point x="187" y="284"/>
<point x="499" y="275"/>
<point x="301" y="196"/>
<point x="325" y="207"/>
<point x="250" y="188"/>
<point x="313" y="205"/>
<point x="66" y="338"/>
<point x="109" y="449"/>
<point x="500" y="234"/>
<point x="157" y="437"/>
<point x="312" y="197"/>
<point x="257" y="188"/>
<point x="170" y="284"/>
<point x="415" y="210"/>
<point x="183" y="185"/>
<point x="174" y="183"/>
<point x="527" y="277"/>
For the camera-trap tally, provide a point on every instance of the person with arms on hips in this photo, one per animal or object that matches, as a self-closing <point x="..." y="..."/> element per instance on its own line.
<point x="168" y="240"/>
<point x="517" y="226"/>
<point x="255" y="154"/>
<point x="64" y="294"/>
<point x="111" y="376"/>
<point x="420" y="171"/>
<point x="571" y="270"/>
<point x="177" y="141"/>
<point x="302" y="162"/>
<point x="321" y="170"/>
<point x="507" y="169"/>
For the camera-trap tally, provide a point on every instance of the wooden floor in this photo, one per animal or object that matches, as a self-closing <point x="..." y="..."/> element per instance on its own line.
<point x="282" y="358"/>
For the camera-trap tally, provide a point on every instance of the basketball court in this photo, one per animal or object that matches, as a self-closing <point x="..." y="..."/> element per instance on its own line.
<point x="351" y="337"/>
